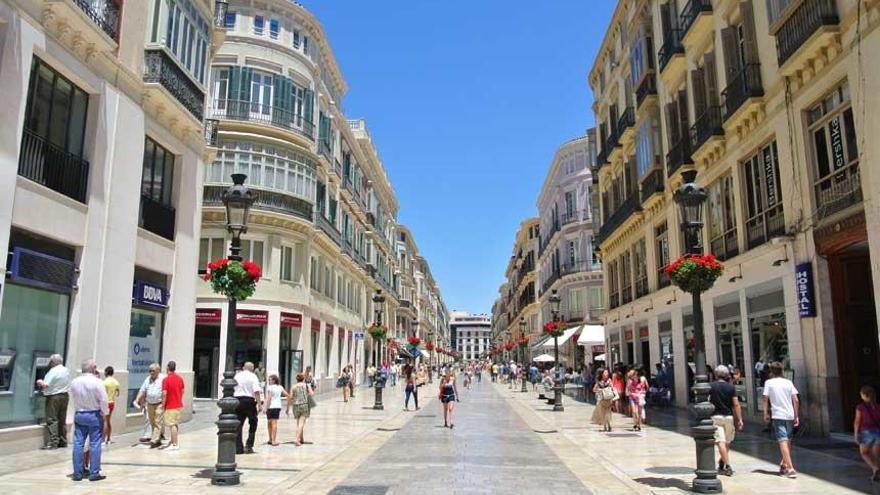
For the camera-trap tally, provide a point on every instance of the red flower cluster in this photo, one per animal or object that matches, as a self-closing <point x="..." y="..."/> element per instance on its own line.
<point x="554" y="327"/>
<point x="253" y="270"/>
<point x="509" y="346"/>
<point x="413" y="340"/>
<point x="707" y="261"/>
<point x="692" y="273"/>
<point x="214" y="266"/>
<point x="429" y="346"/>
<point x="523" y="341"/>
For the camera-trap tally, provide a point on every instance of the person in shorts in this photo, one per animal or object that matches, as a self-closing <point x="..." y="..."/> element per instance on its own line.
<point x="172" y="403"/>
<point x="298" y="399"/>
<point x="867" y="430"/>
<point x="781" y="410"/>
<point x="727" y="416"/>
<point x="111" y="385"/>
<point x="272" y="407"/>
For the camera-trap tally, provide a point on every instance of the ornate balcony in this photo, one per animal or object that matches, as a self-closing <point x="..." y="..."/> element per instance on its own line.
<point x="163" y="75"/>
<point x="672" y="48"/>
<point x="652" y="184"/>
<point x="157" y="218"/>
<point x="93" y="24"/>
<point x="839" y="191"/>
<point x="52" y="167"/>
<point x="576" y="267"/>
<point x="270" y="201"/>
<point x="626" y="124"/>
<point x="679" y="154"/>
<point x="325" y="149"/>
<point x="696" y="21"/>
<point x="567" y="218"/>
<point x="628" y="208"/>
<point x="707" y="125"/>
<point x="246" y="111"/>
<point x="647" y="87"/>
<point x="327" y="227"/>
<point x="797" y="27"/>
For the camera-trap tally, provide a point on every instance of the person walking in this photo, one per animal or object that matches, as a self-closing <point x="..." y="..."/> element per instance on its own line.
<point x="111" y="386"/>
<point x="867" y="430"/>
<point x="172" y="403"/>
<point x="781" y="411"/>
<point x="409" y="375"/>
<point x="90" y="405"/>
<point x="272" y="407"/>
<point x="605" y="396"/>
<point x="727" y="417"/>
<point x="394" y="371"/>
<point x="448" y="397"/>
<point x="636" y="388"/>
<point x="494" y="372"/>
<point x="299" y="400"/>
<point x="310" y="379"/>
<point x="617" y="382"/>
<point x="151" y="394"/>
<point x="56" y="387"/>
<point x="351" y="383"/>
<point x="247" y="391"/>
<point x="345" y="383"/>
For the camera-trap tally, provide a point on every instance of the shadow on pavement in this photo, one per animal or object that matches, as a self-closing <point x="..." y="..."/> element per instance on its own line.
<point x="665" y="483"/>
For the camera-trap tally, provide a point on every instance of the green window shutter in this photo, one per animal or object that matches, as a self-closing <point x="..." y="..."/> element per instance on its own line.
<point x="244" y="93"/>
<point x="309" y="103"/>
<point x="234" y="82"/>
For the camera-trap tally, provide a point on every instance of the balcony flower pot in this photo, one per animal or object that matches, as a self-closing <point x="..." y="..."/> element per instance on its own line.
<point x="237" y="280"/>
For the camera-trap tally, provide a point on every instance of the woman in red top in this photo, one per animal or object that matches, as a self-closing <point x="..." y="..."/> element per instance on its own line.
<point x="617" y="383"/>
<point x="867" y="430"/>
<point x="636" y="386"/>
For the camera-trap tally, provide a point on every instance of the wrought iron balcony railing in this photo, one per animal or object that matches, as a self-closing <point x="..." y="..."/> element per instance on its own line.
<point x="801" y="24"/>
<point x="160" y="68"/>
<point x="691" y="11"/>
<point x="706" y="125"/>
<point x="327" y="227"/>
<point x="51" y="166"/>
<point x="157" y="218"/>
<point x="652" y="184"/>
<point x="679" y="154"/>
<point x="266" y="200"/>
<point x="104" y="13"/>
<point x="647" y="87"/>
<point x="247" y="111"/>
<point x="671" y="46"/>
<point x="744" y="85"/>
<point x="630" y="206"/>
<point x="627" y="120"/>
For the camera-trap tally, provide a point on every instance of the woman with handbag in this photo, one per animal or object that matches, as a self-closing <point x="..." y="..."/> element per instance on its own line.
<point x="448" y="396"/>
<point x="409" y="374"/>
<point x="636" y="387"/>
<point x="605" y="397"/>
<point x="301" y="397"/>
<point x="344" y="382"/>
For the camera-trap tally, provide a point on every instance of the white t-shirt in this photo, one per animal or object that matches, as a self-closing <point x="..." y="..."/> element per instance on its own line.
<point x="246" y="384"/>
<point x="277" y="391"/>
<point x="780" y="391"/>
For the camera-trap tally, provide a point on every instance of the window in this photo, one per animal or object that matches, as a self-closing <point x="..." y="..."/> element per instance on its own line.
<point x="837" y="183"/>
<point x="571" y="205"/>
<point x="764" y="215"/>
<point x="273" y="29"/>
<point x="287" y="269"/>
<point x="722" y="219"/>
<point x="775" y="9"/>
<point x="267" y="167"/>
<point x="613" y="284"/>
<point x="188" y="34"/>
<point x="261" y="93"/>
<point x="158" y="173"/>
<point x="641" y="268"/>
<point x="661" y="244"/>
<point x="210" y="249"/>
<point x="314" y="275"/>
<point x="258" y="25"/>
<point x="230" y="21"/>
<point x="253" y="250"/>
<point x="576" y="300"/>
<point x="56" y="109"/>
<point x="296" y="38"/>
<point x="648" y="147"/>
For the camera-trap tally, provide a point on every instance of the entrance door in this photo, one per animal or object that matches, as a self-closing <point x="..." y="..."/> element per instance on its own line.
<point x="206" y="360"/>
<point x="646" y="356"/>
<point x="855" y="321"/>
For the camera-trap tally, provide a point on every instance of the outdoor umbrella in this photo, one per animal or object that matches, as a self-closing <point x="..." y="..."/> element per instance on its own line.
<point x="544" y="358"/>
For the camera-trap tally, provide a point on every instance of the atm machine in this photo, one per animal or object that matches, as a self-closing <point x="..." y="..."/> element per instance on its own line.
<point x="39" y="369"/>
<point x="7" y="363"/>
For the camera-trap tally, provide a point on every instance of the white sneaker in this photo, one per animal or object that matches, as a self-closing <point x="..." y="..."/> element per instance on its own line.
<point x="172" y="447"/>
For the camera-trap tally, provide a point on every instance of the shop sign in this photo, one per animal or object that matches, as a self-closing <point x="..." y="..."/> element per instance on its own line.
<point x="358" y="335"/>
<point x="803" y="276"/>
<point x="147" y="294"/>
<point x="598" y="349"/>
<point x="837" y="149"/>
<point x="770" y="177"/>
<point x="252" y="317"/>
<point x="329" y="329"/>
<point x="208" y="315"/>
<point x="643" y="332"/>
<point x="316" y="325"/>
<point x="294" y="320"/>
<point x="628" y="335"/>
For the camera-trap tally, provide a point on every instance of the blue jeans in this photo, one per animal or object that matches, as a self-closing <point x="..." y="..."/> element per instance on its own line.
<point x="87" y="425"/>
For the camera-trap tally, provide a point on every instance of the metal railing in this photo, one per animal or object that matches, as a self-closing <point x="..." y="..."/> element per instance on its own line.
<point x="612" y="141"/>
<point x="157" y="217"/>
<point x="725" y="245"/>
<point x="801" y="24"/>
<point x="576" y="267"/>
<point x="325" y="149"/>
<point x="691" y="11"/>
<point x="53" y="167"/>
<point x="614" y="300"/>
<point x="671" y="46"/>
<point x="554" y="276"/>
<point x="652" y="184"/>
<point x="647" y="87"/>
<point x="626" y="295"/>
<point x="265" y="200"/>
<point x="642" y="286"/>
<point x="744" y="85"/>
<point x="630" y="206"/>
<point x="763" y="226"/>
<point x="627" y="120"/>
<point x="247" y="111"/>
<point x="104" y="13"/>
<point x="706" y="125"/>
<point x="327" y="227"/>
<point x="679" y="154"/>
<point x="662" y="279"/>
<point x="567" y="218"/>
<point x="839" y="191"/>
<point x="160" y="68"/>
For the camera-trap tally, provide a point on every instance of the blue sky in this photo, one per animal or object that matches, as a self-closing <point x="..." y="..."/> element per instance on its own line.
<point x="466" y="102"/>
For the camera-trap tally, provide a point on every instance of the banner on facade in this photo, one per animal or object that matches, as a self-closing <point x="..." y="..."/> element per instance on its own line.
<point x="598" y="349"/>
<point x="294" y="320"/>
<point x="803" y="276"/>
<point x="628" y="335"/>
<point x="643" y="332"/>
<point x="251" y="317"/>
<point x="208" y="315"/>
<point x="150" y="295"/>
<point x="329" y="328"/>
<point x="316" y="325"/>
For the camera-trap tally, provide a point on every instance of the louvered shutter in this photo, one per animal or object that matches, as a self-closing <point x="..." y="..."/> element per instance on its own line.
<point x="711" y="79"/>
<point x="672" y="123"/>
<point x="699" y="92"/>
<point x="750" y="39"/>
<point x="731" y="54"/>
<point x="684" y="127"/>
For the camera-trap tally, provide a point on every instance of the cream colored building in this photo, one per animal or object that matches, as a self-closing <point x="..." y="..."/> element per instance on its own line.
<point x="324" y="224"/>
<point x="770" y="102"/>
<point x="522" y="277"/>
<point x="102" y="149"/>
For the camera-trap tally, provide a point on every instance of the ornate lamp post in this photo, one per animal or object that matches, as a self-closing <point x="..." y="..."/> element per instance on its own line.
<point x="690" y="198"/>
<point x="237" y="200"/>
<point x="523" y="348"/>
<point x="378" y="383"/>
<point x="555" y="300"/>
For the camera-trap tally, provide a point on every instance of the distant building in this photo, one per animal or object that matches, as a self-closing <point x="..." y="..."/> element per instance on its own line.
<point x="470" y="334"/>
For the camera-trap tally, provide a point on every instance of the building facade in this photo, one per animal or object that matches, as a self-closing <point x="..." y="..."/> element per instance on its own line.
<point x="567" y="261"/>
<point x="769" y="102"/>
<point x="102" y="147"/>
<point x="471" y="334"/>
<point x="324" y="223"/>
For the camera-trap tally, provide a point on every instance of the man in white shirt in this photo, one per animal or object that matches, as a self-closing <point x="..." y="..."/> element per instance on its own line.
<point x="151" y="394"/>
<point x="55" y="386"/>
<point x="781" y="411"/>
<point x="91" y="405"/>
<point x="247" y="391"/>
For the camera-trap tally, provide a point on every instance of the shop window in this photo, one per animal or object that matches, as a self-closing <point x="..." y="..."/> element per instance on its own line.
<point x="145" y="335"/>
<point x="769" y="334"/>
<point x="328" y="351"/>
<point x="314" y="350"/>
<point x="763" y="208"/>
<point x="729" y="336"/>
<point x="666" y="377"/>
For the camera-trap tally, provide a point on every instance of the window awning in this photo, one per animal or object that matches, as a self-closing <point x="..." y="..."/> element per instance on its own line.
<point x="592" y="335"/>
<point x="548" y="343"/>
<point x="539" y="346"/>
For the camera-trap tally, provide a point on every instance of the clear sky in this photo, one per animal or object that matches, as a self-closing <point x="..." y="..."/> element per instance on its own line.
<point x="466" y="102"/>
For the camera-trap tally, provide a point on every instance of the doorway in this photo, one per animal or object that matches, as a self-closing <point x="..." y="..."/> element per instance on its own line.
<point x="855" y="323"/>
<point x="206" y="361"/>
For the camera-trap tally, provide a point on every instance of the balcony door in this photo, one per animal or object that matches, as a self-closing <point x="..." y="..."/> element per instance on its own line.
<point x="261" y="95"/>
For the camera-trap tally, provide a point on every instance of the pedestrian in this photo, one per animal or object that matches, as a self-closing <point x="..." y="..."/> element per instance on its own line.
<point x="394" y="370"/>
<point x="494" y="372"/>
<point x="618" y="384"/>
<point x="299" y="399"/>
<point x="781" y="410"/>
<point x="344" y="383"/>
<point x="172" y="403"/>
<point x="111" y="386"/>
<point x="371" y="375"/>
<point x="351" y="383"/>
<point x="247" y="391"/>
<point x="90" y="403"/>
<point x="605" y="396"/>
<point x="310" y="379"/>
<point x="636" y="387"/>
<point x="867" y="430"/>
<point x="409" y="375"/>
<point x="727" y="417"/>
<point x="448" y="397"/>
<point x="150" y="394"/>
<point x="55" y="386"/>
<point x="272" y="407"/>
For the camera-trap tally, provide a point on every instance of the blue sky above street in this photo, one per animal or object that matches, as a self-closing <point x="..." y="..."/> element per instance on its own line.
<point x="466" y="102"/>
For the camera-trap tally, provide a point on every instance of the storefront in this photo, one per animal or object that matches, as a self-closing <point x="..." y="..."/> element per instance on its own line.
<point x="316" y="339"/>
<point x="630" y="347"/>
<point x="290" y="357"/>
<point x="667" y="356"/>
<point x="729" y="339"/>
<point x="149" y="302"/>
<point x="644" y="348"/>
<point x="769" y="339"/>
<point x="613" y="357"/>
<point x="33" y="323"/>
<point x="248" y="345"/>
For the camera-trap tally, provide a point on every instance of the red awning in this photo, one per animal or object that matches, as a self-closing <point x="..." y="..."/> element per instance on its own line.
<point x="251" y="317"/>
<point x="208" y="315"/>
<point x="316" y="325"/>
<point x="291" y="320"/>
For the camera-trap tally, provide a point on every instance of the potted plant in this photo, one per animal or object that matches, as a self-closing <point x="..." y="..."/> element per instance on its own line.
<point x="378" y="331"/>
<point x="554" y="328"/>
<point x="692" y="273"/>
<point x="237" y="280"/>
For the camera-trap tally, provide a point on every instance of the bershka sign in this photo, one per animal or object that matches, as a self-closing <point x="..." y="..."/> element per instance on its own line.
<point x="803" y="276"/>
<point x="294" y="320"/>
<point x="147" y="294"/>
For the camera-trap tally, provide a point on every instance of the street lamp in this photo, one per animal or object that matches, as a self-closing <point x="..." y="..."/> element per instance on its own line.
<point x="690" y="198"/>
<point x="237" y="200"/>
<point x="378" y="383"/>
<point x="555" y="300"/>
<point x="522" y="351"/>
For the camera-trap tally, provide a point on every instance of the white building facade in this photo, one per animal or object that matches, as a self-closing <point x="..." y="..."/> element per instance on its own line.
<point x="471" y="334"/>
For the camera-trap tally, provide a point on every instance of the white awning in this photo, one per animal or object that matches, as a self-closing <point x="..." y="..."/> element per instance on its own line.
<point x="548" y="344"/>
<point x="544" y="358"/>
<point x="539" y="346"/>
<point x="592" y="335"/>
<point x="425" y="353"/>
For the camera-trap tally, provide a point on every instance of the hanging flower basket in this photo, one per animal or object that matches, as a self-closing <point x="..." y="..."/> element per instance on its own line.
<point x="413" y="341"/>
<point x="554" y="328"/>
<point x="509" y="346"/>
<point x="378" y="331"/>
<point x="237" y="280"/>
<point x="429" y="346"/>
<point x="694" y="273"/>
<point x="523" y="341"/>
